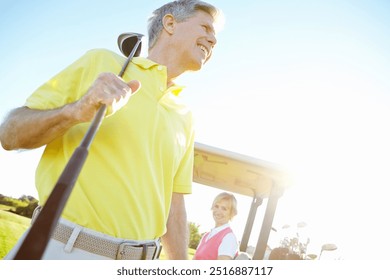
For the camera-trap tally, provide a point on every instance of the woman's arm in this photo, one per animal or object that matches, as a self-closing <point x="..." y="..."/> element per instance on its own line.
<point x="223" y="257"/>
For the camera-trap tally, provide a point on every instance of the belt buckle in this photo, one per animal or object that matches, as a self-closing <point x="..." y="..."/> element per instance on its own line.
<point x="127" y="247"/>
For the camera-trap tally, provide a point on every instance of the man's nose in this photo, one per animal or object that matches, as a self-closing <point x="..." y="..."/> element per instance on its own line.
<point x="212" y="40"/>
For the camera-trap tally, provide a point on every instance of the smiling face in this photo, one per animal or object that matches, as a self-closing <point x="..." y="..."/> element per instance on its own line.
<point x="194" y="41"/>
<point x="222" y="212"/>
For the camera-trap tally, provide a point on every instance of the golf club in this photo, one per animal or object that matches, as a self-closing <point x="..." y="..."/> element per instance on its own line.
<point x="327" y="247"/>
<point x="38" y="236"/>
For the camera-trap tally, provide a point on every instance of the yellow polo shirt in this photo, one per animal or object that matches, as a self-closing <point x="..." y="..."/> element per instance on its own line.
<point x="139" y="156"/>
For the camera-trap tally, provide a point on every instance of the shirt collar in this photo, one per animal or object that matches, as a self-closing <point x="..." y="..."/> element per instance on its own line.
<point x="147" y="64"/>
<point x="144" y="62"/>
<point x="176" y="89"/>
<point x="218" y="229"/>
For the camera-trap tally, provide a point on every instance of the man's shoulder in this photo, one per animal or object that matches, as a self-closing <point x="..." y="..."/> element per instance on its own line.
<point x="102" y="53"/>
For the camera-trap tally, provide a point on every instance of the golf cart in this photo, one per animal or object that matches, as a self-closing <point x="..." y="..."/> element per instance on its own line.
<point x="247" y="176"/>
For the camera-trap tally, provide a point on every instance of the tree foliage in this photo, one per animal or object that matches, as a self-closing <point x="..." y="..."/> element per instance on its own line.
<point x="195" y="236"/>
<point x="23" y="206"/>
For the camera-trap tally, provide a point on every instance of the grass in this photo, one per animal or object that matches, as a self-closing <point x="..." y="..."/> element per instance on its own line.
<point x="12" y="227"/>
<point x="191" y="253"/>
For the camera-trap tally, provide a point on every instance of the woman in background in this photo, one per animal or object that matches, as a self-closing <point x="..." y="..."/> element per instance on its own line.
<point x="220" y="243"/>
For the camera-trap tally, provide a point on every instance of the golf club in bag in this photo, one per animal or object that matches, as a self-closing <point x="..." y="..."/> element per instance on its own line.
<point x="38" y="236"/>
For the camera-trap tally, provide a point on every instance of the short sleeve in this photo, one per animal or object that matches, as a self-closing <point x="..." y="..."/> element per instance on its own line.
<point x="184" y="174"/>
<point x="65" y="87"/>
<point x="229" y="246"/>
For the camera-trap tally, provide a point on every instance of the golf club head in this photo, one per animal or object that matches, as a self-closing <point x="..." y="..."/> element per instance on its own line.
<point x="311" y="256"/>
<point x="127" y="41"/>
<point x="301" y="225"/>
<point x="329" y="247"/>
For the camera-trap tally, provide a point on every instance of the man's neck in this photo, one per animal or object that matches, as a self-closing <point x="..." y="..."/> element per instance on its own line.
<point x="173" y="70"/>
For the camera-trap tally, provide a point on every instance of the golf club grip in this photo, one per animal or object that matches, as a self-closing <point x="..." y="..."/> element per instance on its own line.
<point x="36" y="240"/>
<point x="93" y="128"/>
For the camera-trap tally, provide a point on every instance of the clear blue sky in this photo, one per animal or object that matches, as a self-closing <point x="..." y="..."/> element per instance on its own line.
<point x="301" y="83"/>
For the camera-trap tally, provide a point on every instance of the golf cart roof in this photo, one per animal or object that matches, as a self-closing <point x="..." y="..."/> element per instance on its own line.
<point x="236" y="173"/>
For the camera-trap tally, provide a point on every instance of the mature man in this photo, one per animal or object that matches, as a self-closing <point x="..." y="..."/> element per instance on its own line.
<point x="130" y="190"/>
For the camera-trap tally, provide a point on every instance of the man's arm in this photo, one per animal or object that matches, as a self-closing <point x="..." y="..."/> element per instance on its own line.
<point x="26" y="128"/>
<point x="175" y="240"/>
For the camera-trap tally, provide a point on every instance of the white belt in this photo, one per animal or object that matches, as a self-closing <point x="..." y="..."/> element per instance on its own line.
<point x="104" y="247"/>
<point x="113" y="248"/>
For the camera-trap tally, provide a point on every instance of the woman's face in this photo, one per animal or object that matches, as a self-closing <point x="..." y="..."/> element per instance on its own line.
<point x="221" y="212"/>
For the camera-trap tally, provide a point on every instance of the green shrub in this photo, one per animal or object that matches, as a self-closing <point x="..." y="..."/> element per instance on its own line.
<point x="195" y="236"/>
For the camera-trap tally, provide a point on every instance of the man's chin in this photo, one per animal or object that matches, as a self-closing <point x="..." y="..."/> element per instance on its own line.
<point x="197" y="67"/>
<point x="198" y="64"/>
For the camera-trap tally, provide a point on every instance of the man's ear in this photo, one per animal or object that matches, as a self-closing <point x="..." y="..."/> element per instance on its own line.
<point x="169" y="23"/>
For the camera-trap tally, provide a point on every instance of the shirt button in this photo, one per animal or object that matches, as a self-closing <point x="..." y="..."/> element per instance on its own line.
<point x="159" y="67"/>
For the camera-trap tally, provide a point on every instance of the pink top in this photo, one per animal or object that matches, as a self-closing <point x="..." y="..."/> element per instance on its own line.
<point x="208" y="250"/>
